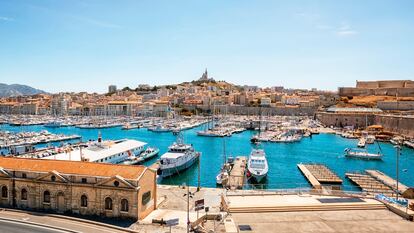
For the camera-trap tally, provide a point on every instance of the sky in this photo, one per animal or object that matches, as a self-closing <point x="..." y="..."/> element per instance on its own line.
<point x="82" y="45"/>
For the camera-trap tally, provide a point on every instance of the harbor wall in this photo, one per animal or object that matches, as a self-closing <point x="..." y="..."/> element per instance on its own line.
<point x="244" y="110"/>
<point x="357" y="120"/>
<point x="352" y="91"/>
<point x="398" y="124"/>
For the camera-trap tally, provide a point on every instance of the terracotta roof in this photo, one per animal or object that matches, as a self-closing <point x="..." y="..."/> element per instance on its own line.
<point x="72" y="167"/>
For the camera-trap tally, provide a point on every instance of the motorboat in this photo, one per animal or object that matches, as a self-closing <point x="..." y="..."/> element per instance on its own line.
<point x="257" y="164"/>
<point x="362" y="154"/>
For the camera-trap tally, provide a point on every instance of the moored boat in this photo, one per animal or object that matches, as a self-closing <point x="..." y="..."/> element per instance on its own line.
<point x="362" y="154"/>
<point x="257" y="164"/>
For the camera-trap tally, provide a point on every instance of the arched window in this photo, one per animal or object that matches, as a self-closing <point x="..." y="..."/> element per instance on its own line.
<point x="124" y="205"/>
<point x="4" y="192"/>
<point x="23" y="195"/>
<point x="46" y="197"/>
<point x="108" y="203"/>
<point x="84" y="201"/>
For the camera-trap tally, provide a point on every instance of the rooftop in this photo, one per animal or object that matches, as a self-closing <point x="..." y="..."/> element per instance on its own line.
<point x="72" y="167"/>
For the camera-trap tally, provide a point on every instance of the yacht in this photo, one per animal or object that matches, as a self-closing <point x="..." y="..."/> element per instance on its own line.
<point x="145" y="155"/>
<point x="53" y="124"/>
<point x="362" y="154"/>
<point x="257" y="164"/>
<point x="179" y="157"/>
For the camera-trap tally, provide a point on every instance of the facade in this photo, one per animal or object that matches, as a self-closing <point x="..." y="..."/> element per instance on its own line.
<point x="78" y="187"/>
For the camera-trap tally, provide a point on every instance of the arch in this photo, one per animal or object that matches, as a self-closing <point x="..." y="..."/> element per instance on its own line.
<point x="124" y="205"/>
<point x="4" y="192"/>
<point x="23" y="194"/>
<point x="46" y="196"/>
<point x="108" y="203"/>
<point x="84" y="201"/>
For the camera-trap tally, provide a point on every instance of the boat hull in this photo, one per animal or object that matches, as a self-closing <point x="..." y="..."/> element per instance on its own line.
<point x="167" y="172"/>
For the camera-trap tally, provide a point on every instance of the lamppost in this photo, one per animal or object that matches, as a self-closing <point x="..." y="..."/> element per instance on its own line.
<point x="189" y="195"/>
<point x="398" y="148"/>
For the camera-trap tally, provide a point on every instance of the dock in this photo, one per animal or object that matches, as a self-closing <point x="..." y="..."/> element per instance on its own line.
<point x="237" y="174"/>
<point x="318" y="174"/>
<point x="369" y="184"/>
<point x="387" y="180"/>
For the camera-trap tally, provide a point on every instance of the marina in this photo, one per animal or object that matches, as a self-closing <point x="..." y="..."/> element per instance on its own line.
<point x="282" y="158"/>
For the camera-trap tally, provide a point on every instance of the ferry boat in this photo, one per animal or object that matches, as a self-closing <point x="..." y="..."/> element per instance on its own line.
<point x="179" y="157"/>
<point x="257" y="164"/>
<point x="362" y="154"/>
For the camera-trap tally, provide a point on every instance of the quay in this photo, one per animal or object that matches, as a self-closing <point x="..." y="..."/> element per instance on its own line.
<point x="237" y="174"/>
<point x="318" y="174"/>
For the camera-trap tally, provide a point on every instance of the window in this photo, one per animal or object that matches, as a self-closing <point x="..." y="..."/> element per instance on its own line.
<point x="108" y="203"/>
<point x="124" y="205"/>
<point x="116" y="183"/>
<point x="4" y="192"/>
<point x="84" y="180"/>
<point x="146" y="197"/>
<point x="46" y="197"/>
<point x="53" y="178"/>
<point x="23" y="195"/>
<point x="84" y="201"/>
<point x="24" y="175"/>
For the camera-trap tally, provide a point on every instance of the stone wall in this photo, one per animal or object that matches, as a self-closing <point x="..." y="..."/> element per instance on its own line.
<point x="351" y="91"/>
<point x="244" y="110"/>
<point x="397" y="124"/>
<point x="396" y="105"/>
<point x="357" y="120"/>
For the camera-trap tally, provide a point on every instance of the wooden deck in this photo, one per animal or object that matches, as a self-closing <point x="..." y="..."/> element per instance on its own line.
<point x="387" y="180"/>
<point x="237" y="174"/>
<point x="318" y="174"/>
<point x="369" y="184"/>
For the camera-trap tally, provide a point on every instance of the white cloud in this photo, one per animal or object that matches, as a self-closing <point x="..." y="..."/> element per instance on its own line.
<point x="3" y="18"/>
<point x="346" y="30"/>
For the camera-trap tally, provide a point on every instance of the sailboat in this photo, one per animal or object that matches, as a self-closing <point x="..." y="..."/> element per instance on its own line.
<point x="223" y="176"/>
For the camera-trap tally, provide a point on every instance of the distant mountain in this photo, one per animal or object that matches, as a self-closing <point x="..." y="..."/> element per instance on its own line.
<point x="17" y="90"/>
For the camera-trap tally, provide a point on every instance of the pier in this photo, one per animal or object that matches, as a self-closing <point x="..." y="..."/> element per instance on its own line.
<point x="369" y="184"/>
<point x="236" y="178"/>
<point x="318" y="174"/>
<point x="387" y="180"/>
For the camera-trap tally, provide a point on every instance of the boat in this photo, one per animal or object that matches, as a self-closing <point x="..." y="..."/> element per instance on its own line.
<point x="257" y="164"/>
<point x="149" y="153"/>
<point x="130" y="126"/>
<point x="179" y="157"/>
<point x="362" y="154"/>
<point x="397" y="140"/>
<point x="223" y="176"/>
<point x="53" y="124"/>
<point x="361" y="142"/>
<point x="409" y="144"/>
<point x="370" y="139"/>
<point x="254" y="139"/>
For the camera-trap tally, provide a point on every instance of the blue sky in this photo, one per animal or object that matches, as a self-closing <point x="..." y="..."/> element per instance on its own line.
<point x="60" y="45"/>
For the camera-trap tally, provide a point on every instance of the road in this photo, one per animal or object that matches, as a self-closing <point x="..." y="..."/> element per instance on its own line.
<point x="7" y="226"/>
<point x="11" y="221"/>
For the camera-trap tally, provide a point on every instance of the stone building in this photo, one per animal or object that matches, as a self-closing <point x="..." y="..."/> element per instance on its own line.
<point x="78" y="187"/>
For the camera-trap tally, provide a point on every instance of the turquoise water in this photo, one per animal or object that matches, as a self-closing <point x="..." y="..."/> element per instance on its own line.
<point x="282" y="158"/>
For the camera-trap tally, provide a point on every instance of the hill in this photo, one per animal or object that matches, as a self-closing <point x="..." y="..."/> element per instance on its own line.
<point x="17" y="90"/>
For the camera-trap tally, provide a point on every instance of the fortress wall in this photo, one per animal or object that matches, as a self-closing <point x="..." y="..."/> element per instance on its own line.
<point x="397" y="124"/>
<point x="367" y="84"/>
<point x="396" y="105"/>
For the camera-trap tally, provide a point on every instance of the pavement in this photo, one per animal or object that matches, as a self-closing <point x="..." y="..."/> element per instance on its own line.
<point x="364" y="221"/>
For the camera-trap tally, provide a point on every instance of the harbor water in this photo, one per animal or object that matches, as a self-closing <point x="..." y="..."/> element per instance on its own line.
<point x="282" y="157"/>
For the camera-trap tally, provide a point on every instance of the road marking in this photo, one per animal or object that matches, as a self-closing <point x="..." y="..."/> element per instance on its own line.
<point x="88" y="225"/>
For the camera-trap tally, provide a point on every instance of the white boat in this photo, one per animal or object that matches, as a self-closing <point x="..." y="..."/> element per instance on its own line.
<point x="53" y="124"/>
<point x="223" y="176"/>
<point x="361" y="142"/>
<point x="145" y="155"/>
<point x="370" y="139"/>
<point x="362" y="154"/>
<point x="409" y="144"/>
<point x="130" y="126"/>
<point x="257" y="164"/>
<point x="179" y="157"/>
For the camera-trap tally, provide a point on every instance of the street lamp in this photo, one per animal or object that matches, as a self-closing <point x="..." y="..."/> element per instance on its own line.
<point x="189" y="195"/>
<point x="398" y="148"/>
